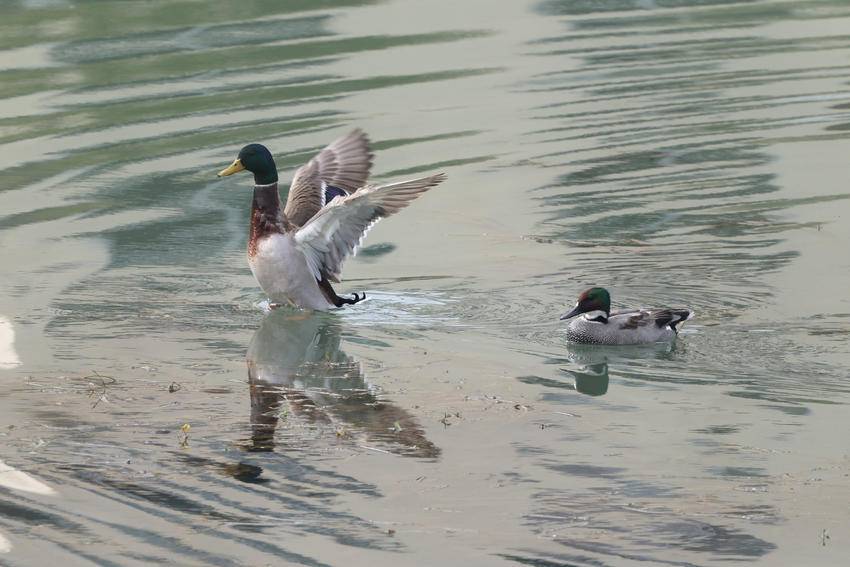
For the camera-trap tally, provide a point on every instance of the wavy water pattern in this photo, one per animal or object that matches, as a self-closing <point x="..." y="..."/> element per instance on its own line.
<point x="687" y="152"/>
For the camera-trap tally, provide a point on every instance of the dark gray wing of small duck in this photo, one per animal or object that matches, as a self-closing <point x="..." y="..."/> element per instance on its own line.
<point x="644" y="317"/>
<point x="338" y="170"/>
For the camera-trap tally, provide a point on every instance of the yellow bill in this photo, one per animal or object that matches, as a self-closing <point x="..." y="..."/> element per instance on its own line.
<point x="234" y="167"/>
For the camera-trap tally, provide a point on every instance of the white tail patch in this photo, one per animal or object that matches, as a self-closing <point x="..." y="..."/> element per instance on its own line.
<point x="8" y="355"/>
<point x="17" y="480"/>
<point x="5" y="544"/>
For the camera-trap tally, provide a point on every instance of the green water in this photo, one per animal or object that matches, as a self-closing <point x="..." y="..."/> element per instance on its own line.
<point x="678" y="152"/>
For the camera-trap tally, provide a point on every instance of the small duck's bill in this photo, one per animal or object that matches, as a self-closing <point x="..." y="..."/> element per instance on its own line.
<point x="234" y="167"/>
<point x="570" y="314"/>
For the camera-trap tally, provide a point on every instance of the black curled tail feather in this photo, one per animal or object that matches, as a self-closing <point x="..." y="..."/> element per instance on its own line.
<point x="670" y="317"/>
<point x="679" y="316"/>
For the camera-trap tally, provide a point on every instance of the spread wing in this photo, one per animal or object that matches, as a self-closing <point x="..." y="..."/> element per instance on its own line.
<point x="335" y="232"/>
<point x="344" y="164"/>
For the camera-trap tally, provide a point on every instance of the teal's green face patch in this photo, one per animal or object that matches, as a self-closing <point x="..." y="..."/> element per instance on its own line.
<point x="593" y="299"/>
<point x="597" y="297"/>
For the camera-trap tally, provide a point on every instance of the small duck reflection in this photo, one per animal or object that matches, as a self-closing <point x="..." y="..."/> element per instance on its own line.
<point x="296" y="359"/>
<point x="591" y="377"/>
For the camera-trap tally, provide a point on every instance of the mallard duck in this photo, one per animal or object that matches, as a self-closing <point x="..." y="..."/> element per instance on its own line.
<point x="296" y="253"/>
<point x="599" y="325"/>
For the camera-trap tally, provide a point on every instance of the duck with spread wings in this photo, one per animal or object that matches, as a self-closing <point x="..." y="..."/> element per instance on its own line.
<point x="297" y="252"/>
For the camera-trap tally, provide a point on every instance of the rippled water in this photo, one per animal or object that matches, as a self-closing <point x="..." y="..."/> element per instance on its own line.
<point x="687" y="152"/>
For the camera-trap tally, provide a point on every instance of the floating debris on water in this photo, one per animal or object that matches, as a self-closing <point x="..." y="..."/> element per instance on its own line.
<point x="184" y="435"/>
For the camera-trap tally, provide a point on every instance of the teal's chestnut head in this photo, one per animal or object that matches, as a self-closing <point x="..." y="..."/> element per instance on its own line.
<point x="257" y="159"/>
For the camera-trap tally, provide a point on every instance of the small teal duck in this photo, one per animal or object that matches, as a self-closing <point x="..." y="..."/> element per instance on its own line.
<point x="599" y="325"/>
<point x="296" y="251"/>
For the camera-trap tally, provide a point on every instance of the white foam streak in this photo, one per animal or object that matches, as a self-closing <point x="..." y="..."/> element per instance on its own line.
<point x="8" y="355"/>
<point x="14" y="479"/>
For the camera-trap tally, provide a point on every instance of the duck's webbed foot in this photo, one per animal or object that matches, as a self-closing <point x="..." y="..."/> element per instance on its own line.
<point x="338" y="301"/>
<point x="347" y="301"/>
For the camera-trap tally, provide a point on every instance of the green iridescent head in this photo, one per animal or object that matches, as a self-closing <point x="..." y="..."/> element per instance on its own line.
<point x="593" y="299"/>
<point x="257" y="159"/>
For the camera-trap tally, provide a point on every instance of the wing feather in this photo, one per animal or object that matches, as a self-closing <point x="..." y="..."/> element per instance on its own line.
<point x="345" y="164"/>
<point x="659" y="317"/>
<point x="336" y="231"/>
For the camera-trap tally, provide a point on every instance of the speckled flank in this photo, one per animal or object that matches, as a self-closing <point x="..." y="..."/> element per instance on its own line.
<point x="575" y="335"/>
<point x="632" y="327"/>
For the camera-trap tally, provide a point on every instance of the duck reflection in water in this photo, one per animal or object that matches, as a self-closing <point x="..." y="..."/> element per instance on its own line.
<point x="295" y="359"/>
<point x="591" y="376"/>
<point x="591" y="379"/>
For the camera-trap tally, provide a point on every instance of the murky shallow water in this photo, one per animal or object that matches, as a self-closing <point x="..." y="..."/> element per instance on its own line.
<point x="689" y="152"/>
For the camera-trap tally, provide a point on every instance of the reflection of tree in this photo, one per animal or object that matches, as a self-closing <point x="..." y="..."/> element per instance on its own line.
<point x="295" y="360"/>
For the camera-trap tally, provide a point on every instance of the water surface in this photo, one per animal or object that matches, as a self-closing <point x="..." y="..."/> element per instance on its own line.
<point x="689" y="152"/>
